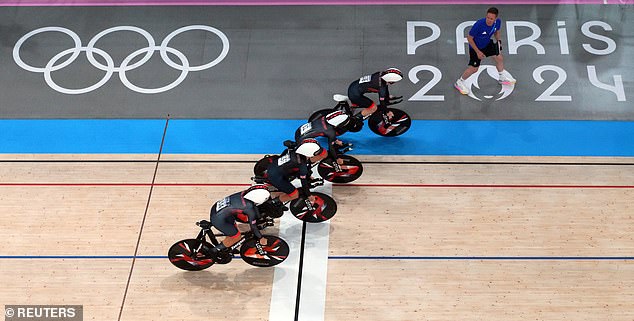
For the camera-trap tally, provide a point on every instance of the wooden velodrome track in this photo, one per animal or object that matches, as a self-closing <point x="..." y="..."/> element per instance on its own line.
<point x="415" y="238"/>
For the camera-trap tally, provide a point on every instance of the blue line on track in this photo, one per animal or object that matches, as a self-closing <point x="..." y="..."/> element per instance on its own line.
<point x="82" y="257"/>
<point x="483" y="258"/>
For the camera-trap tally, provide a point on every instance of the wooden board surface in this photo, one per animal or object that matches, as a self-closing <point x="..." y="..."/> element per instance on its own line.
<point x="570" y="222"/>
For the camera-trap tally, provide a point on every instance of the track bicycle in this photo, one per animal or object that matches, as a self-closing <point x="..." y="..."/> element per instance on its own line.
<point x="379" y="122"/>
<point x="316" y="208"/>
<point x="195" y="254"/>
<point x="348" y="171"/>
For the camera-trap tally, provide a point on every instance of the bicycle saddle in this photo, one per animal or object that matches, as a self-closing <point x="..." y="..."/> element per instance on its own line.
<point x="204" y="224"/>
<point x="258" y="179"/>
<point x="290" y="144"/>
<point x="339" y="98"/>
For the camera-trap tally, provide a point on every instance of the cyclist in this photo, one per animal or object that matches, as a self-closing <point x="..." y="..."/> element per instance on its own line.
<point x="377" y="82"/>
<point x="238" y="207"/>
<point x="329" y="126"/>
<point x="295" y="162"/>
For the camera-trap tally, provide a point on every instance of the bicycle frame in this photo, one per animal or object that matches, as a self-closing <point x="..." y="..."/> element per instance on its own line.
<point x="244" y="236"/>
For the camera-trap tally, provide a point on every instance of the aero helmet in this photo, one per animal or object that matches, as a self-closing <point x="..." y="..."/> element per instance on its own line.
<point x="257" y="194"/>
<point x="309" y="148"/>
<point x="337" y="118"/>
<point x="392" y="75"/>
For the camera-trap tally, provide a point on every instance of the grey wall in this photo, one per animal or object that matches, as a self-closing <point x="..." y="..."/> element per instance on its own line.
<point x="286" y="61"/>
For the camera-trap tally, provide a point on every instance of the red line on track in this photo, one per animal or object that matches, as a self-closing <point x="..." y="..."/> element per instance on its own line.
<point x="488" y="186"/>
<point x="338" y="185"/>
<point x="117" y="184"/>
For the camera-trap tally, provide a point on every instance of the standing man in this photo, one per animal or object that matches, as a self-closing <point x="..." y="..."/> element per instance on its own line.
<point x="481" y="45"/>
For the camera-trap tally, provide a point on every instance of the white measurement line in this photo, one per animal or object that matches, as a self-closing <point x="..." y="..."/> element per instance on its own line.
<point x="315" y="268"/>
<point x="284" y="293"/>
<point x="312" y="294"/>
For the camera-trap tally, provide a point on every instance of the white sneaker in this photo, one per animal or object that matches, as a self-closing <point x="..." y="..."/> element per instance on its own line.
<point x="506" y="79"/>
<point x="462" y="88"/>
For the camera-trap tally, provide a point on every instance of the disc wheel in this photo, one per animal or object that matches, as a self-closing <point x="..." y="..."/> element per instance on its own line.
<point x="260" y="167"/>
<point x="186" y="255"/>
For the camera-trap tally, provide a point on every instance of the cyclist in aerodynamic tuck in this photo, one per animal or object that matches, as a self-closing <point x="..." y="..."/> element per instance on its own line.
<point x="377" y="82"/>
<point x="295" y="162"/>
<point x="238" y="207"/>
<point x="329" y="126"/>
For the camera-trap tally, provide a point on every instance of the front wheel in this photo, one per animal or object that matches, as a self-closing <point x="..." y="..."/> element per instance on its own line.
<point x="351" y="169"/>
<point x="322" y="209"/>
<point x="187" y="255"/>
<point x="399" y="124"/>
<point x="275" y="251"/>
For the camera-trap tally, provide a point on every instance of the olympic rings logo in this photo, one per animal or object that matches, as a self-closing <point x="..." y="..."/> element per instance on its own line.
<point x="54" y="63"/>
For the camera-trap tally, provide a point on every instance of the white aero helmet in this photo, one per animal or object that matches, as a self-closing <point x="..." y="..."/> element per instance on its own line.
<point x="337" y="118"/>
<point x="309" y="148"/>
<point x="392" y="75"/>
<point x="257" y="194"/>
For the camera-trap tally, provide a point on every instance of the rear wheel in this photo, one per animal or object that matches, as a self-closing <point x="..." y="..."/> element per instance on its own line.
<point x="188" y="255"/>
<point x="260" y="167"/>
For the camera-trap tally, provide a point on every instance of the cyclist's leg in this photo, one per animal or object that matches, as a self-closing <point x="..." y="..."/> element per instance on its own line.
<point x="357" y="98"/>
<point x="227" y="225"/>
<point x="364" y="102"/>
<point x="281" y="182"/>
<point x="289" y="196"/>
<point x="367" y="111"/>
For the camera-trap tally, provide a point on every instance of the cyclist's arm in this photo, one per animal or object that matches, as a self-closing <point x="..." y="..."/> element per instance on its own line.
<point x="304" y="177"/>
<point x="332" y="140"/>
<point x="253" y="213"/>
<point x="384" y="96"/>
